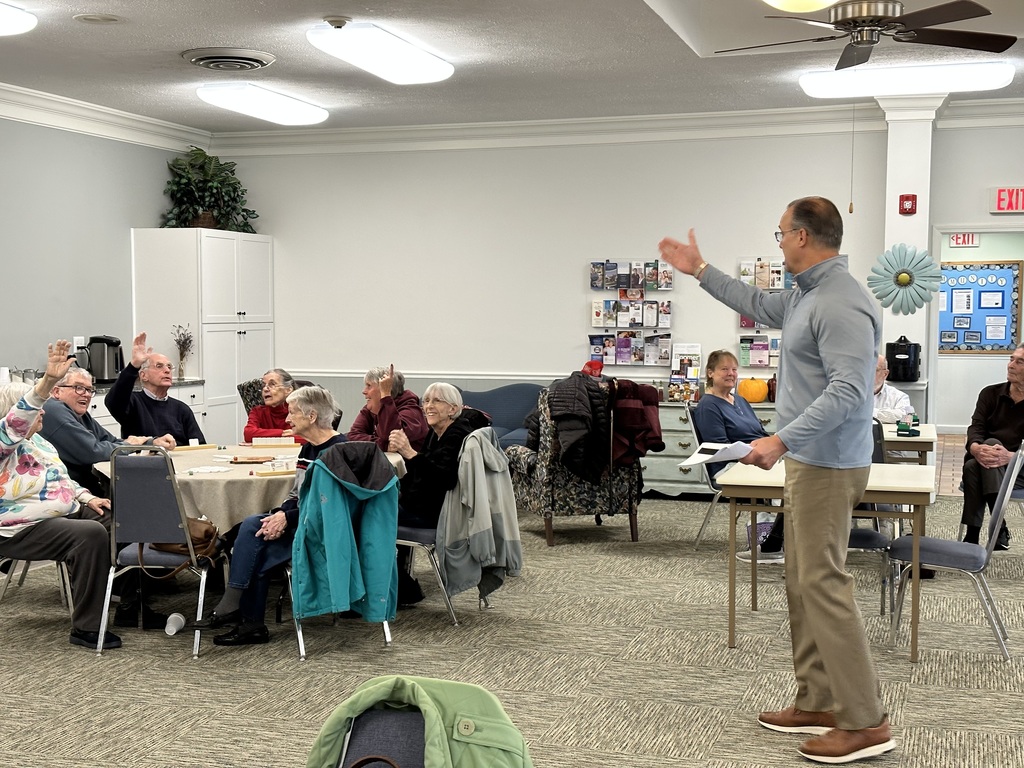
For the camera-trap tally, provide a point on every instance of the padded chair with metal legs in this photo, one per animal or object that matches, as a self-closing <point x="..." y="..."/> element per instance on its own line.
<point x="705" y="477"/>
<point x="147" y="507"/>
<point x="962" y="557"/>
<point x="424" y="539"/>
<point x="63" y="580"/>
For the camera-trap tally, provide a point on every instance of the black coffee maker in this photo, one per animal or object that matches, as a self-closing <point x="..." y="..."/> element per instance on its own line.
<point x="904" y="360"/>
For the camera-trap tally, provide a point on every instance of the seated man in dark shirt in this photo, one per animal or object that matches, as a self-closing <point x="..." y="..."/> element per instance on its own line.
<point x="79" y="440"/>
<point x="149" y="411"/>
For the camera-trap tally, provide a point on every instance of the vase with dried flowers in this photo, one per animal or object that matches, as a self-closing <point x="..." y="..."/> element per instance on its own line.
<point x="184" y="341"/>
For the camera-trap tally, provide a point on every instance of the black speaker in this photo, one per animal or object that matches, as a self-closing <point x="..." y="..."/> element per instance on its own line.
<point x="904" y="360"/>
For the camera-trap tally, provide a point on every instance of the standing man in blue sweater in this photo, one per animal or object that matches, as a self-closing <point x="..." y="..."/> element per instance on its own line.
<point x="149" y="410"/>
<point x="832" y="330"/>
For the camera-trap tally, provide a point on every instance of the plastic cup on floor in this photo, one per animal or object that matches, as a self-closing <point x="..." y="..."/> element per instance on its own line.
<point x="174" y="623"/>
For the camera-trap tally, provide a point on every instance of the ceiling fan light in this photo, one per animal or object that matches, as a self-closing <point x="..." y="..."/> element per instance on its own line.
<point x="800" y="6"/>
<point x="907" y="81"/>
<point x="15" y="21"/>
<point x="252" y="100"/>
<point x="380" y="53"/>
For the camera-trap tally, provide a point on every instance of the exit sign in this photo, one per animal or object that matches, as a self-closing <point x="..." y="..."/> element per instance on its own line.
<point x="1006" y="200"/>
<point x="964" y="240"/>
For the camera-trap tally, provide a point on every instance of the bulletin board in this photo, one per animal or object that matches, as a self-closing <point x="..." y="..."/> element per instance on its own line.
<point x="979" y="307"/>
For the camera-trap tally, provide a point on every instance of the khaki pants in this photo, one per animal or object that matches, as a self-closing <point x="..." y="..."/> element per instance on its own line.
<point x="831" y="656"/>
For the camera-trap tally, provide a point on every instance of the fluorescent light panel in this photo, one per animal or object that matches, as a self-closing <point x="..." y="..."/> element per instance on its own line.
<point x="800" y="6"/>
<point x="15" y="21"/>
<point x="380" y="53"/>
<point x="907" y="81"/>
<point x="261" y="103"/>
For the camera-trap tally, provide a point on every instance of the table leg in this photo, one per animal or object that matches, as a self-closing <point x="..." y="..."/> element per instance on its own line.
<point x="732" y="573"/>
<point x="752" y="536"/>
<point x="915" y="584"/>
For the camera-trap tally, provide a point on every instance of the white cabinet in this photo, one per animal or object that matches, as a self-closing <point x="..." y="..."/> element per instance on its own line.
<point x="662" y="471"/>
<point x="220" y="284"/>
<point x="234" y="352"/>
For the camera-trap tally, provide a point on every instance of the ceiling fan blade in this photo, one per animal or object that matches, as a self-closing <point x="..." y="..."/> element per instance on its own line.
<point x="815" y="22"/>
<point x="853" y="55"/>
<point x="787" y="42"/>
<point x="947" y="13"/>
<point x="975" y="41"/>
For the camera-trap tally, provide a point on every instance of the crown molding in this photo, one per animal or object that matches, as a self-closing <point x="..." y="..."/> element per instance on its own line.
<point x="28" y="106"/>
<point x="44" y="109"/>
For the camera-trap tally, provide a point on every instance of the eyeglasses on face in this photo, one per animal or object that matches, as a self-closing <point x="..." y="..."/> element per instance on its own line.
<point x="434" y="401"/>
<point x="163" y="366"/>
<point x="79" y="389"/>
<point x="781" y="233"/>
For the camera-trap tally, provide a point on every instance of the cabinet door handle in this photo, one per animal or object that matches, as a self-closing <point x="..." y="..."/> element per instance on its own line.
<point x="684" y="420"/>
<point x="193" y="397"/>
<point x="684" y="445"/>
<point x="765" y="422"/>
<point x="685" y="470"/>
<point x="242" y="313"/>
<point x="643" y="466"/>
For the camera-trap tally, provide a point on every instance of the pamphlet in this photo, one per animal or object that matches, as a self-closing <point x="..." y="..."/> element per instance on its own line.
<point x="717" y="452"/>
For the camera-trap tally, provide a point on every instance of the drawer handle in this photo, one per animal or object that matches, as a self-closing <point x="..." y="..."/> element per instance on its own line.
<point x="765" y="422"/>
<point x="684" y="420"/>
<point x="685" y="470"/>
<point x="643" y="466"/>
<point x="684" y="445"/>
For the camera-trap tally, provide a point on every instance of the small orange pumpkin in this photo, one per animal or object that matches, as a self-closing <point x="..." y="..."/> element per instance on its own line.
<point x="753" y="390"/>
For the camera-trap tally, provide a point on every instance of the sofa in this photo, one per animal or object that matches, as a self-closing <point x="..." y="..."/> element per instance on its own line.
<point x="508" y="406"/>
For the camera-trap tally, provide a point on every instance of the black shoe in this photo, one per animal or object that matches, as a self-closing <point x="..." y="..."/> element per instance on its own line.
<point x="89" y="639"/>
<point x="128" y="616"/>
<point x="217" y="621"/>
<point x="1003" y="540"/>
<point x="5" y="565"/>
<point x="244" y="634"/>
<point x="927" y="573"/>
<point x="409" y="591"/>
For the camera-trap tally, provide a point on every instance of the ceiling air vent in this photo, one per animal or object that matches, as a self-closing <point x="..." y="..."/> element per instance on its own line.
<point x="229" y="59"/>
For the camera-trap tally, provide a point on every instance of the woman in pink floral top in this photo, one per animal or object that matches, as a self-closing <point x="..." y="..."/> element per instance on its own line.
<point x="44" y="514"/>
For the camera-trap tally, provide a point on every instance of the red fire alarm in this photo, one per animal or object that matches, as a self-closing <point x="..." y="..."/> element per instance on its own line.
<point x="908" y="205"/>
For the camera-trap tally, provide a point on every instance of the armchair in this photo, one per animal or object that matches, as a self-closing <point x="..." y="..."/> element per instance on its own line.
<point x="545" y="487"/>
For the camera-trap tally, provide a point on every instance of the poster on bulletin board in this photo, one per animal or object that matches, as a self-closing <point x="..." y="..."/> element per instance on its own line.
<point x="979" y="307"/>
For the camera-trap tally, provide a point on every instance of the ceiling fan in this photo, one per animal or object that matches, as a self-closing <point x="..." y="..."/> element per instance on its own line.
<point x="865" y="22"/>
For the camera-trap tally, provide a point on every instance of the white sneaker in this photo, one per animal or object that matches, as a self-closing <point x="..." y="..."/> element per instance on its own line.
<point x="767" y="558"/>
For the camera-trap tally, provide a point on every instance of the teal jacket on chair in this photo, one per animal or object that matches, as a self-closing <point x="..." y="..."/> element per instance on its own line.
<point x="332" y="570"/>
<point x="465" y="725"/>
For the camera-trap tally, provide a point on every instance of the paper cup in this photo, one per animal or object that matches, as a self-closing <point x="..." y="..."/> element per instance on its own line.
<point x="174" y="623"/>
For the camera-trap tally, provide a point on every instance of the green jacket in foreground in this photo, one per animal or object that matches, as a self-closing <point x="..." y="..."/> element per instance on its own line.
<point x="464" y="725"/>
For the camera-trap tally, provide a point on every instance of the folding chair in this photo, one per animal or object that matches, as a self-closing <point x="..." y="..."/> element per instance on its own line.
<point x="962" y="557"/>
<point x="63" y="579"/>
<point x="147" y="508"/>
<point x="705" y="477"/>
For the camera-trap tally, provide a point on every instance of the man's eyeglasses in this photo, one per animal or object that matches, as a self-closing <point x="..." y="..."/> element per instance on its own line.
<point x="780" y="233"/>
<point x="163" y="366"/>
<point x="79" y="389"/>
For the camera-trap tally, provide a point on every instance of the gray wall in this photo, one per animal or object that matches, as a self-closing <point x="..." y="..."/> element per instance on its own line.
<point x="69" y="202"/>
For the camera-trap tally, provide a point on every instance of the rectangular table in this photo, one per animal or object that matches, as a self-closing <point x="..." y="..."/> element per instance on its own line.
<point x="228" y="497"/>
<point x="909" y="485"/>
<point x="922" y="445"/>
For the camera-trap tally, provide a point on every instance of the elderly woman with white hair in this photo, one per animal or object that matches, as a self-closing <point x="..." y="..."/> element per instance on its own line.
<point x="264" y="540"/>
<point x="431" y="471"/>
<point x="44" y="514"/>
<point x="389" y="406"/>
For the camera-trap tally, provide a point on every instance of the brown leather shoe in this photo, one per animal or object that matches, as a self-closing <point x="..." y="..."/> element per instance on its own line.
<point x="793" y="720"/>
<point x="839" y="746"/>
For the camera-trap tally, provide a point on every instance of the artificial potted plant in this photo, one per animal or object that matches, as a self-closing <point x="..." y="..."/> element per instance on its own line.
<point x="205" y="192"/>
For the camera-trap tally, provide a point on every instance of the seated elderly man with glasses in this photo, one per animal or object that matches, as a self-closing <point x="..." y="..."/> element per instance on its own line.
<point x="149" y="411"/>
<point x="79" y="440"/>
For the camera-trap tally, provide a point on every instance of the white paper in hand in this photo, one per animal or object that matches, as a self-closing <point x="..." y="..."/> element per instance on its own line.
<point x="717" y="452"/>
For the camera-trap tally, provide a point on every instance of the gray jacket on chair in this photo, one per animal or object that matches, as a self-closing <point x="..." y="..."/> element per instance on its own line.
<point x="478" y="540"/>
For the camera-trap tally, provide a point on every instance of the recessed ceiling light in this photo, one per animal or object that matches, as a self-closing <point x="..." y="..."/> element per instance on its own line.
<point x="98" y="18"/>
<point x="379" y="52"/>
<point x="15" y="21"/>
<point x="907" y="81"/>
<point x="259" y="102"/>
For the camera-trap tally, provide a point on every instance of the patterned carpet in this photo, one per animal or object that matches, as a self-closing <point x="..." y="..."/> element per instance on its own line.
<point x="604" y="653"/>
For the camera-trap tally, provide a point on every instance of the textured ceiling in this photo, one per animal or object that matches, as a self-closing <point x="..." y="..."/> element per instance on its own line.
<point x="514" y="59"/>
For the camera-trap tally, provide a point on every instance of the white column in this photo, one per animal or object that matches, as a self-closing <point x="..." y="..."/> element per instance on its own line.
<point x="910" y="122"/>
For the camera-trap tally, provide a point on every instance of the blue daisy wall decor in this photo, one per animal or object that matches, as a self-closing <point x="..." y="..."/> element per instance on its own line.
<point x="904" y="278"/>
